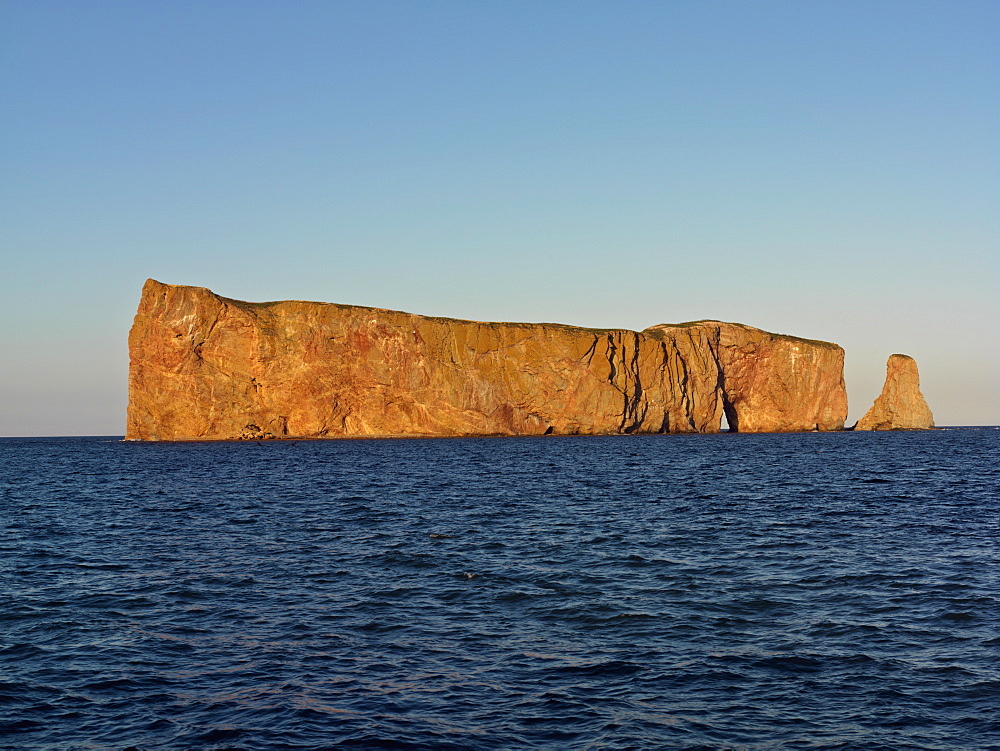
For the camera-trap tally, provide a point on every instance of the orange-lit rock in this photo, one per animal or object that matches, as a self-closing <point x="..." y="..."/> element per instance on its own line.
<point x="207" y="367"/>
<point x="774" y="383"/>
<point x="900" y="406"/>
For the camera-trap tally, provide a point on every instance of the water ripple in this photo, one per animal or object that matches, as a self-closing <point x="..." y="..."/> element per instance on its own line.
<point x="816" y="591"/>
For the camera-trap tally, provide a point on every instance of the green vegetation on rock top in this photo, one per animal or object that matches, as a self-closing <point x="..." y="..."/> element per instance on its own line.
<point x="656" y="331"/>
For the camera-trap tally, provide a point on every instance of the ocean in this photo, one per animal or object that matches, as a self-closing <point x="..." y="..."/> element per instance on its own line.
<point x="802" y="591"/>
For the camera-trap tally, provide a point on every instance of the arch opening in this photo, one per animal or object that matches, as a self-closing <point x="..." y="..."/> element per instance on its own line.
<point x="730" y="419"/>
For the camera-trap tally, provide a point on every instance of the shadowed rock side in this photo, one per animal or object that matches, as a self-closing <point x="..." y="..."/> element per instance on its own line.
<point x="900" y="406"/>
<point x="207" y="367"/>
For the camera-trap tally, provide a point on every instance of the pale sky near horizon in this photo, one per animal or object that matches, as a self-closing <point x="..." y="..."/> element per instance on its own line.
<point x="827" y="169"/>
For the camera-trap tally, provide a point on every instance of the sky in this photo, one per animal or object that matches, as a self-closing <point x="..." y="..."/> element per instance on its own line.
<point x="828" y="169"/>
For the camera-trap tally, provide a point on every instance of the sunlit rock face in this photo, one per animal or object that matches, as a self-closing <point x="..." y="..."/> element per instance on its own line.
<point x="208" y="367"/>
<point x="773" y="383"/>
<point x="900" y="406"/>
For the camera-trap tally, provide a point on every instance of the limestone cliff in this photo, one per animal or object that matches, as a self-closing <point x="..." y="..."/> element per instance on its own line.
<point x="208" y="367"/>
<point x="773" y="383"/>
<point x="900" y="406"/>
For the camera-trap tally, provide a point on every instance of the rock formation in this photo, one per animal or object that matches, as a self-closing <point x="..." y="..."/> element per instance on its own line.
<point x="900" y="406"/>
<point x="774" y="383"/>
<point x="208" y="367"/>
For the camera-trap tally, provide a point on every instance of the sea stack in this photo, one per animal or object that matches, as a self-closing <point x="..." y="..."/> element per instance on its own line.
<point x="206" y="367"/>
<point x="900" y="406"/>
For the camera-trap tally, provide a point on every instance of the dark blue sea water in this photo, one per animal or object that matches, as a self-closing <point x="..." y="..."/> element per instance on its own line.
<point x="722" y="591"/>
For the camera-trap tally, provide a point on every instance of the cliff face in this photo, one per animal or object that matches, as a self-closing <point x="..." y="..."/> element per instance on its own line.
<point x="900" y="406"/>
<point x="207" y="367"/>
<point x="772" y="383"/>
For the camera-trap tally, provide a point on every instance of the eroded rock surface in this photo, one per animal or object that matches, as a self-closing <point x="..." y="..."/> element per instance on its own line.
<point x="900" y="406"/>
<point x="774" y="383"/>
<point x="208" y="367"/>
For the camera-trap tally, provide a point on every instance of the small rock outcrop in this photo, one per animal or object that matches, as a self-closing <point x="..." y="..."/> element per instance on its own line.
<point x="900" y="406"/>
<point x="205" y="367"/>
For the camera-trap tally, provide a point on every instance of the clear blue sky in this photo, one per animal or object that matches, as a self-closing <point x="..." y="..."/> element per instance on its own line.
<point x="828" y="169"/>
